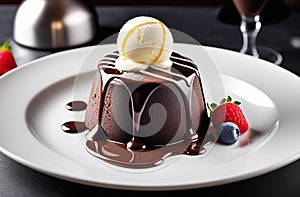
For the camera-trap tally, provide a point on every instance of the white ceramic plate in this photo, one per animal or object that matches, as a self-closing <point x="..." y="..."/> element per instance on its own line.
<point x="32" y="111"/>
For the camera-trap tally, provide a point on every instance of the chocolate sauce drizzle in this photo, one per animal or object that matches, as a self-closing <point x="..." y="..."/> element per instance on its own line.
<point x="135" y="154"/>
<point x="74" y="127"/>
<point x="76" y="106"/>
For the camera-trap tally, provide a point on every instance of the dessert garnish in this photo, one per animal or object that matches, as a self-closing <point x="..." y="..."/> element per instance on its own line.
<point x="228" y="111"/>
<point x="143" y="42"/>
<point x="7" y="60"/>
<point x="228" y="133"/>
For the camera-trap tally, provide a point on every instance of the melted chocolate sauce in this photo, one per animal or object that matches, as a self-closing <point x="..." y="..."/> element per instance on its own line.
<point x="119" y="153"/>
<point x="76" y="106"/>
<point x="73" y="127"/>
<point x="135" y="153"/>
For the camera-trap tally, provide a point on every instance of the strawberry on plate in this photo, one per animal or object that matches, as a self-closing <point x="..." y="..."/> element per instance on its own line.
<point x="7" y="61"/>
<point x="228" y="111"/>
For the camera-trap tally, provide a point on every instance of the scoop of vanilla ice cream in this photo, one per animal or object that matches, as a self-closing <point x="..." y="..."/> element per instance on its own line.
<point x="142" y="42"/>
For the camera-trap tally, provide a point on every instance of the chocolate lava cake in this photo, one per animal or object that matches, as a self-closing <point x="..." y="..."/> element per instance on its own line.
<point x="153" y="107"/>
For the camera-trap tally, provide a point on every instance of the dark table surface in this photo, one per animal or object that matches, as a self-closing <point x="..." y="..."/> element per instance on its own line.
<point x="204" y="24"/>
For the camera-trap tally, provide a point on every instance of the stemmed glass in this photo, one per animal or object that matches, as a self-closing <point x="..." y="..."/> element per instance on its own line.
<point x="250" y="26"/>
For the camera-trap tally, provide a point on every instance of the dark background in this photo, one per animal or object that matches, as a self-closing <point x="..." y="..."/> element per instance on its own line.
<point x="143" y="2"/>
<point x="292" y="4"/>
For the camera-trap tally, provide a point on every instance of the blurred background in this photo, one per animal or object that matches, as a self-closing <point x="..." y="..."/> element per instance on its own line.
<point x="211" y="22"/>
<point x="156" y="2"/>
<point x="291" y="3"/>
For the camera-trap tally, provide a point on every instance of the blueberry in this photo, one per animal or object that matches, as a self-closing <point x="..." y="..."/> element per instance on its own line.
<point x="228" y="133"/>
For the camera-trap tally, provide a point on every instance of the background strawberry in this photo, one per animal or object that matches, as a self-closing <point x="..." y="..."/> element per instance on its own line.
<point x="7" y="61"/>
<point x="228" y="111"/>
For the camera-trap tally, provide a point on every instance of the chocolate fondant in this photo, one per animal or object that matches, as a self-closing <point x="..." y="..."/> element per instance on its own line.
<point x="149" y="108"/>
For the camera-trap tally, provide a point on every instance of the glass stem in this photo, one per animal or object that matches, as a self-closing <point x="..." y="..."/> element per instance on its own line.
<point x="250" y="27"/>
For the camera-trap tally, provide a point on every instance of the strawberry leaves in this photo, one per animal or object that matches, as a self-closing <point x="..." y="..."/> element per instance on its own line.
<point x="228" y="99"/>
<point x="6" y="47"/>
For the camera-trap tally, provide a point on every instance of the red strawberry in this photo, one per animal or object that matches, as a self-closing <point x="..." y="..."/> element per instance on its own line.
<point x="228" y="111"/>
<point x="7" y="61"/>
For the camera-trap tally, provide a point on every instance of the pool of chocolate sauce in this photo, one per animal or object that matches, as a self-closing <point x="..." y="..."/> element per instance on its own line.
<point x="136" y="154"/>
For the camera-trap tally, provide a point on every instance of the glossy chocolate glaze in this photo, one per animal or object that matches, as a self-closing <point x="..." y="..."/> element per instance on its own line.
<point x="135" y="153"/>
